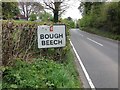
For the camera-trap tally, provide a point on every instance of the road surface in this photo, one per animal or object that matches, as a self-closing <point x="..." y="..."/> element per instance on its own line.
<point x="99" y="56"/>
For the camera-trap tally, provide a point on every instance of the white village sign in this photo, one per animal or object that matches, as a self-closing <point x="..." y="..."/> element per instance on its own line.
<point x="51" y="36"/>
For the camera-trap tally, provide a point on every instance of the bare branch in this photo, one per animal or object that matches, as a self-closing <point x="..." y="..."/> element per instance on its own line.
<point x="61" y="12"/>
<point x="29" y="7"/>
<point x="49" y="6"/>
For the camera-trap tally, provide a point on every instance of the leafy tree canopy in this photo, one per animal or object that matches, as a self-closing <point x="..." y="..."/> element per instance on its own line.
<point x="9" y="9"/>
<point x="45" y="16"/>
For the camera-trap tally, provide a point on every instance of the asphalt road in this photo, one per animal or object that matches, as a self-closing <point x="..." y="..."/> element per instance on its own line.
<point x="99" y="56"/>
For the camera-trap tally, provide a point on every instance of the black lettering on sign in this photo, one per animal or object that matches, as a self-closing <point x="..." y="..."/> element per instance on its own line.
<point x="47" y="42"/>
<point x="55" y="42"/>
<point x="60" y="35"/>
<point x="59" y="41"/>
<point x="51" y="36"/>
<point x="43" y="43"/>
<point x="46" y="36"/>
<point x="41" y="36"/>
<point x="56" y="36"/>
<point x="51" y="42"/>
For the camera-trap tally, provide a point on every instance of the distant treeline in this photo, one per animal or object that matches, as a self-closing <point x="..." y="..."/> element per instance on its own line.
<point x="101" y="17"/>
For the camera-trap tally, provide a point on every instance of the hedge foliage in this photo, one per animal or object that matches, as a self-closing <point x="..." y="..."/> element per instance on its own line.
<point x="19" y="40"/>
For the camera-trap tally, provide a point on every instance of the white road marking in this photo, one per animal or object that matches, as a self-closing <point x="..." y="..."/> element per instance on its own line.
<point x="95" y="42"/>
<point x="83" y="68"/>
<point x="81" y="35"/>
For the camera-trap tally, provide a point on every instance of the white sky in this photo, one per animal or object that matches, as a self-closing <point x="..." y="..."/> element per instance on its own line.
<point x="73" y="11"/>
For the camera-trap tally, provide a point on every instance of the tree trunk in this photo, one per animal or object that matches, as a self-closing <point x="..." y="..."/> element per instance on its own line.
<point x="27" y="17"/>
<point x="55" y="16"/>
<point x="56" y="11"/>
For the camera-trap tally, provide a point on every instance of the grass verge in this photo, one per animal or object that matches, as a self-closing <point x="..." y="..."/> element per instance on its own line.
<point x="42" y="73"/>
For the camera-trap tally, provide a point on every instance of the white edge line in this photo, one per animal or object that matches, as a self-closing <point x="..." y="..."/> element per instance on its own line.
<point x="95" y="41"/>
<point x="83" y="68"/>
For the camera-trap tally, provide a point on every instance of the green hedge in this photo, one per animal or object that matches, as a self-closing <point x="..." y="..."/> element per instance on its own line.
<point x="20" y="41"/>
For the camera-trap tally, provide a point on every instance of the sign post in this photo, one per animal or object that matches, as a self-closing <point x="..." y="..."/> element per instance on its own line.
<point x="51" y="36"/>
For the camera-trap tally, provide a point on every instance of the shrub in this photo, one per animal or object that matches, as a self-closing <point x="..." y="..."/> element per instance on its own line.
<point x="33" y="17"/>
<point x="41" y="73"/>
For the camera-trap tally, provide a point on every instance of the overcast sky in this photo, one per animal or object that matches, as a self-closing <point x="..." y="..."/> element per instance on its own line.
<point x="73" y="11"/>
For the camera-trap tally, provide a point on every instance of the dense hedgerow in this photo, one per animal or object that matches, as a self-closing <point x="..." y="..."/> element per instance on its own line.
<point x="19" y="40"/>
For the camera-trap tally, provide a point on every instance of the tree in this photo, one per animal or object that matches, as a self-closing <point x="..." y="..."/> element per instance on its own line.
<point x="88" y="7"/>
<point x="85" y="7"/>
<point x="102" y="16"/>
<point x="91" y="14"/>
<point x="9" y="9"/>
<point x="69" y="22"/>
<point x="69" y="18"/>
<point x="57" y="6"/>
<point x="44" y="16"/>
<point x="27" y="8"/>
<point x="33" y="17"/>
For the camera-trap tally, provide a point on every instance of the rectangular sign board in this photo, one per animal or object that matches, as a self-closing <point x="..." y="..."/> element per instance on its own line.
<point x="51" y="36"/>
